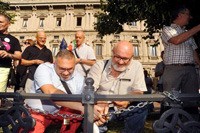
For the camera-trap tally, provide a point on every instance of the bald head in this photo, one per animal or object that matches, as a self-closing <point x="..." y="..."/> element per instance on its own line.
<point x="124" y="48"/>
<point x="41" y="38"/>
<point x="40" y="33"/>
<point x="79" y="37"/>
<point x="122" y="55"/>
<point x="81" y="33"/>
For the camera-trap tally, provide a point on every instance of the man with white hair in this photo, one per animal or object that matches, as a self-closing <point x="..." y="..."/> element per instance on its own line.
<point x="120" y="75"/>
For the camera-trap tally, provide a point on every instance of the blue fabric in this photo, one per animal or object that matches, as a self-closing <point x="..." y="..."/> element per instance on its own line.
<point x="63" y="44"/>
<point x="132" y="123"/>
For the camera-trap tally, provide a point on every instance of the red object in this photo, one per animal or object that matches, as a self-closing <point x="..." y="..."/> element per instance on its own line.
<point x="43" y="121"/>
<point x="70" y="47"/>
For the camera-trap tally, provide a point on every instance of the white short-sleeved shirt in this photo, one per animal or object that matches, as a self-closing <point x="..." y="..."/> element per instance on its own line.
<point x="84" y="52"/>
<point x="131" y="79"/>
<point x="46" y="74"/>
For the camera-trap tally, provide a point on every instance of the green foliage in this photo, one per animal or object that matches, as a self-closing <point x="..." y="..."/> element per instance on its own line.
<point x="155" y="14"/>
<point x="118" y="12"/>
<point x="4" y="8"/>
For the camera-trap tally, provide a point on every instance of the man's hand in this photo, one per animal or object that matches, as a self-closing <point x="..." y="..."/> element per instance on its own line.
<point x="38" y="62"/>
<point x="100" y="112"/>
<point x="78" y="60"/>
<point x="4" y="54"/>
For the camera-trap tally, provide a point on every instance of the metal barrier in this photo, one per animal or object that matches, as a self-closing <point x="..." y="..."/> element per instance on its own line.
<point x="171" y="120"/>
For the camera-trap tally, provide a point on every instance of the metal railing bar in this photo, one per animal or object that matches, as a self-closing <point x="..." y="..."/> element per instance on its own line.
<point x="77" y="97"/>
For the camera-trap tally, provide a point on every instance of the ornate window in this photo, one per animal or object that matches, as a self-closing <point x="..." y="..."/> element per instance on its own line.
<point x="42" y="17"/>
<point x="55" y="45"/>
<point x="58" y="22"/>
<point x="25" y="22"/>
<point x="79" y="14"/>
<point x="99" y="50"/>
<point x="136" y="51"/>
<point x="21" y="37"/>
<point x="58" y="18"/>
<point x="98" y="46"/>
<point x="78" y="21"/>
<point x="152" y="52"/>
<point x="133" y="23"/>
<point x="56" y="37"/>
<point x="41" y="22"/>
<point x="136" y="44"/>
<point x="55" y="49"/>
<point x="25" y="17"/>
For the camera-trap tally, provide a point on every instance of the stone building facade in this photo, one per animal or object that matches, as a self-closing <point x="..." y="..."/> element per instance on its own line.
<point x="62" y="18"/>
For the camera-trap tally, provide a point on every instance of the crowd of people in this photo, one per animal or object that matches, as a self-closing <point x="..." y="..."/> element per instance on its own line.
<point x="37" y="72"/>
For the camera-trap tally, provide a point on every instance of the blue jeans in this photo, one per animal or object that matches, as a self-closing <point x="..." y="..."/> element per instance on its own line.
<point x="134" y="120"/>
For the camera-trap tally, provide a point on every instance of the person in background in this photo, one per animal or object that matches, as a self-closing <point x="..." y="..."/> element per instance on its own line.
<point x="149" y="82"/>
<point x="59" y="78"/>
<point x="180" y="55"/>
<point x="9" y="50"/>
<point x="84" y="54"/>
<point x="28" y="42"/>
<point x="21" y="69"/>
<point x="149" y="85"/>
<point x="120" y="75"/>
<point x="35" y="55"/>
<point x="159" y="72"/>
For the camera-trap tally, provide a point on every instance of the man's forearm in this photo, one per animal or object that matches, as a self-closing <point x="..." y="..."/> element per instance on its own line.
<point x="71" y="105"/>
<point x="136" y="92"/>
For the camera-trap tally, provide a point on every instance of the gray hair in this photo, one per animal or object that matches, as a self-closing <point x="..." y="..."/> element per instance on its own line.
<point x="65" y="54"/>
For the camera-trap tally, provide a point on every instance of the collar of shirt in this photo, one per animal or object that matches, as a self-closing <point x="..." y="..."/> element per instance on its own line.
<point x="178" y="26"/>
<point x="82" y="45"/>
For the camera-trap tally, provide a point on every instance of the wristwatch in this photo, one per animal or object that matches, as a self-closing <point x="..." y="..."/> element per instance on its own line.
<point x="80" y="60"/>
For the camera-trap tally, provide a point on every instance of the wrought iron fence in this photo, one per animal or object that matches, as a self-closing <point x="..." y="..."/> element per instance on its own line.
<point x="173" y="120"/>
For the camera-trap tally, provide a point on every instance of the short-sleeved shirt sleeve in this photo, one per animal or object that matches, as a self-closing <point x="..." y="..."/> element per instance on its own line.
<point x="127" y="81"/>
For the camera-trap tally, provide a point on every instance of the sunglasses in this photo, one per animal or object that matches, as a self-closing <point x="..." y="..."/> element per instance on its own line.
<point x="26" y="42"/>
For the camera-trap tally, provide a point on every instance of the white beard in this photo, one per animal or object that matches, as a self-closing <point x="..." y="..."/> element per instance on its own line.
<point x="119" y="69"/>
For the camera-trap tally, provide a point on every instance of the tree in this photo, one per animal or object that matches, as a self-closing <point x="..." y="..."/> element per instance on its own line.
<point x="155" y="14"/>
<point x="4" y="8"/>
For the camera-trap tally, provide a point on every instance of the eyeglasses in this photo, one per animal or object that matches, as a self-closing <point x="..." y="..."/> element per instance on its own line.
<point x="186" y="13"/>
<point x="26" y="42"/>
<point x="70" y="70"/>
<point x="125" y="60"/>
